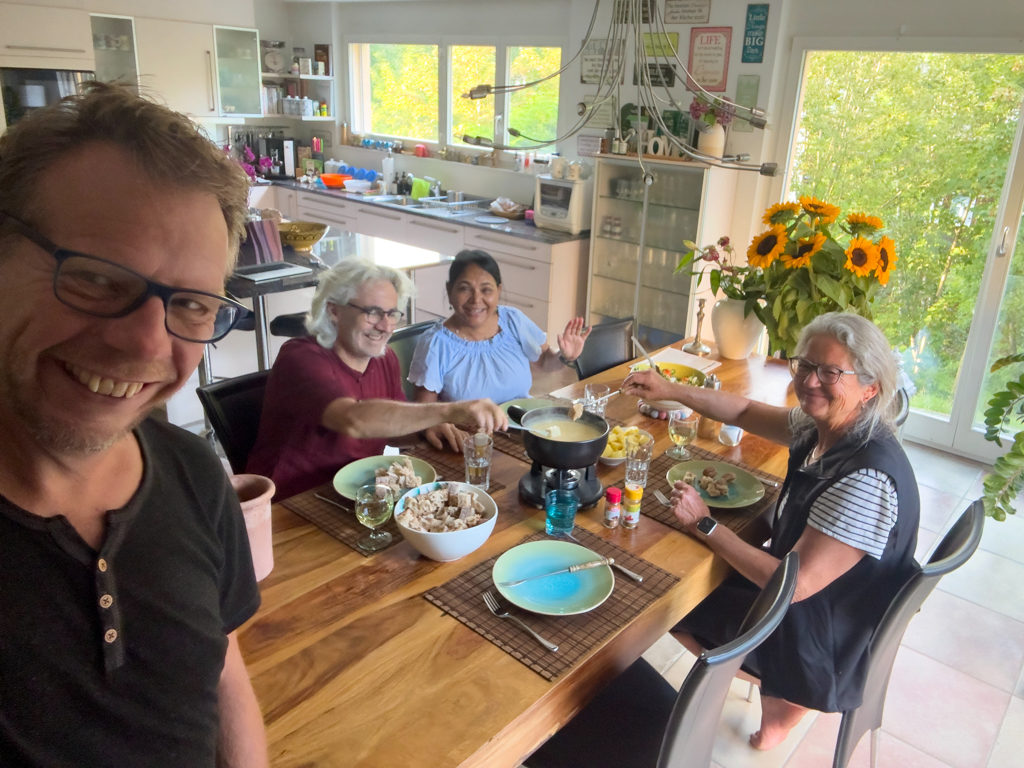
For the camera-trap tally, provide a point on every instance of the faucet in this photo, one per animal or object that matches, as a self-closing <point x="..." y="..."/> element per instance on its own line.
<point x="435" y="186"/>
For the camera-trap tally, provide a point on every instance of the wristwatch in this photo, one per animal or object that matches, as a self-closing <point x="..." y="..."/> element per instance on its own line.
<point x="706" y="525"/>
<point x="565" y="360"/>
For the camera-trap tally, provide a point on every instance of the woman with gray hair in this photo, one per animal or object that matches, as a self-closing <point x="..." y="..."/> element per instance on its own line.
<point x="849" y="506"/>
<point x="336" y="396"/>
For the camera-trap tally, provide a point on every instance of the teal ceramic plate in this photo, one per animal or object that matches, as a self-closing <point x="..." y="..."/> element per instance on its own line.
<point x="527" y="404"/>
<point x="561" y="595"/>
<point x="743" y="491"/>
<point x="351" y="477"/>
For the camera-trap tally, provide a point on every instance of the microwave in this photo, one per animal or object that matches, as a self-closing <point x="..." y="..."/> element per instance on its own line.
<point x="563" y="204"/>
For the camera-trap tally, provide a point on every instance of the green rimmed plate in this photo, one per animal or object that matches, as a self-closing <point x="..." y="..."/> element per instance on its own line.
<point x="350" y="478"/>
<point x="563" y="595"/>
<point x="527" y="404"/>
<point x="743" y="491"/>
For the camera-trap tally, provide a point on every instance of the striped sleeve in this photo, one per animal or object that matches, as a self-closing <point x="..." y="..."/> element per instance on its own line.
<point x="859" y="510"/>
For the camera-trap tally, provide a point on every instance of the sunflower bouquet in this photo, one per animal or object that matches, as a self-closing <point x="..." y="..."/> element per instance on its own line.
<point x="808" y="272"/>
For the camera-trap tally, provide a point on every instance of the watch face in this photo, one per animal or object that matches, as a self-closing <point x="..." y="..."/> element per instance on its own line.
<point x="274" y="61"/>
<point x="706" y="525"/>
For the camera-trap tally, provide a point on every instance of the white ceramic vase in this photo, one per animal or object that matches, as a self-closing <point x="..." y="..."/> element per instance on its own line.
<point x="735" y="335"/>
<point x="713" y="142"/>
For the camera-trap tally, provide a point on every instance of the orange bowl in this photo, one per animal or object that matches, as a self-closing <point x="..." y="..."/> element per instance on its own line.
<point x="334" y="180"/>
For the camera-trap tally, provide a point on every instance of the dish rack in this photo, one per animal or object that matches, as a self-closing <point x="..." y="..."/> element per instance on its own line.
<point x="463" y="206"/>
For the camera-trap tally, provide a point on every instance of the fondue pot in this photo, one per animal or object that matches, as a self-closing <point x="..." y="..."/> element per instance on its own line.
<point x="569" y="465"/>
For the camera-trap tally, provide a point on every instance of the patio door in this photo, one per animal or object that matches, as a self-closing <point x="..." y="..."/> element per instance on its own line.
<point x="931" y="143"/>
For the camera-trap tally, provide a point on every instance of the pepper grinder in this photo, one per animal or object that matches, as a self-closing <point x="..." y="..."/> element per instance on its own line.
<point x="697" y="347"/>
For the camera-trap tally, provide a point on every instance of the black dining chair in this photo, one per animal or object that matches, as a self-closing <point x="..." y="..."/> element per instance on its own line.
<point x="954" y="550"/>
<point x="292" y="325"/>
<point x="639" y="721"/>
<point x="403" y="341"/>
<point x="608" y="345"/>
<point x="234" y="407"/>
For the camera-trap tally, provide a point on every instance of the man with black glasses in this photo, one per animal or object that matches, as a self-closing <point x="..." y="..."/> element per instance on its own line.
<point x="124" y="563"/>
<point x="336" y="395"/>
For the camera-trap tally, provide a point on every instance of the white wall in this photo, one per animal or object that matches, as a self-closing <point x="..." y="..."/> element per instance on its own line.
<point x="232" y="13"/>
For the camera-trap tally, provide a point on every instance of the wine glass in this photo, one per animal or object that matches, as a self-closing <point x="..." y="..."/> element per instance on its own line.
<point x="682" y="429"/>
<point x="374" y="504"/>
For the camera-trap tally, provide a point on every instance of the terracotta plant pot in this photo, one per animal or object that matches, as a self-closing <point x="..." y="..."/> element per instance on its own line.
<point x="735" y="335"/>
<point x="255" y="493"/>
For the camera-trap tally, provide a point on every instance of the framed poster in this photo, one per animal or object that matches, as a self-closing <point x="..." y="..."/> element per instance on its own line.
<point x="747" y="87"/>
<point x="661" y="44"/>
<point x="709" y="57"/>
<point x="687" y="11"/>
<point x="604" y="114"/>
<point x="592" y="62"/>
<point x="659" y="74"/>
<point x="588" y="146"/>
<point x="755" y="33"/>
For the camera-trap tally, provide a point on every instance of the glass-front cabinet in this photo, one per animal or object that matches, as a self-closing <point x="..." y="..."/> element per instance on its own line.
<point x="677" y="199"/>
<point x="113" y="43"/>
<point x="238" y="71"/>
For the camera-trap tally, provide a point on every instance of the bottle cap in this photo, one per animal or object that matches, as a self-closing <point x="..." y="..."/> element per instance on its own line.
<point x="481" y="438"/>
<point x="613" y="495"/>
<point x="634" y="492"/>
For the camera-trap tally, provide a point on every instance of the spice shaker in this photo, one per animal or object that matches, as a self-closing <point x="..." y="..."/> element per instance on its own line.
<point x="612" y="507"/>
<point x="707" y="428"/>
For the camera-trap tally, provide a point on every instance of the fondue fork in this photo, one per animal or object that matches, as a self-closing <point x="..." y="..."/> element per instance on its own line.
<point x="623" y="569"/>
<point x="571" y="569"/>
<point x="641" y="348"/>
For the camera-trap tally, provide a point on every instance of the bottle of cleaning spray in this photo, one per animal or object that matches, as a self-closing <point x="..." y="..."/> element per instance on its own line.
<point x="388" y="164"/>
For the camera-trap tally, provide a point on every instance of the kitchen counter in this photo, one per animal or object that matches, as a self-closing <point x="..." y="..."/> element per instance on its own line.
<point x="523" y="229"/>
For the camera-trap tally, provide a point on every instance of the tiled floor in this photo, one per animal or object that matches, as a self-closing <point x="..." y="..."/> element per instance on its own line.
<point x="956" y="696"/>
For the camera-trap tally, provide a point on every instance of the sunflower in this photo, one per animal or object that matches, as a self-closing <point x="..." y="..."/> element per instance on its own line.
<point x="886" y="258"/>
<point x="820" y="210"/>
<point x="805" y="248"/>
<point x="781" y="213"/>
<point x="862" y="224"/>
<point x="861" y="256"/>
<point x="767" y="247"/>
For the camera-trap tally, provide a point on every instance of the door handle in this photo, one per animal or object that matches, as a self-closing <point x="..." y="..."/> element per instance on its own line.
<point x="319" y="200"/>
<point x="517" y="303"/>
<point x="43" y="48"/>
<point x="1001" y="250"/>
<point x="439" y="229"/>
<point x="213" y="89"/>
<point x="504" y="242"/>
<point x="514" y="263"/>
<point x="379" y="214"/>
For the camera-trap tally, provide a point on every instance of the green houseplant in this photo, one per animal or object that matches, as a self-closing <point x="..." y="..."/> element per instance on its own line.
<point x="1007" y="477"/>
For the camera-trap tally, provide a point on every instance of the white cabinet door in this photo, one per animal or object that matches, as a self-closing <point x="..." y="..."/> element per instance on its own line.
<point x="522" y="276"/>
<point x="535" y="309"/>
<point x="380" y="222"/>
<point x="341" y="215"/>
<point x="488" y="240"/>
<point x="434" y="235"/>
<point x="176" y="64"/>
<point x="431" y="297"/>
<point x="35" y="36"/>
<point x="286" y="203"/>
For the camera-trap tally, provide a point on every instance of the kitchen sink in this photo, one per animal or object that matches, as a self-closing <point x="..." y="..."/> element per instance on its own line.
<point x="402" y="200"/>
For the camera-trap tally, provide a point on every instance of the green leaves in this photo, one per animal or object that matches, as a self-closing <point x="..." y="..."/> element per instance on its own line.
<point x="831" y="288"/>
<point x="1006" y="481"/>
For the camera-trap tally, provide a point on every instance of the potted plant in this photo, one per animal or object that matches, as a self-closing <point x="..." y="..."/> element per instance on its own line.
<point x="1007" y="477"/>
<point x="735" y="324"/>
<point x="808" y="271"/>
<point x="717" y="117"/>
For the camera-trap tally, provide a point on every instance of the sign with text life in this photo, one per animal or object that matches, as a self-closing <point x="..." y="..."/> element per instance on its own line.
<point x="709" y="57"/>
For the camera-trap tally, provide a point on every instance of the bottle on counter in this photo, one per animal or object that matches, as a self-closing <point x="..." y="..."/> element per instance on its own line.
<point x="631" y="505"/>
<point x="388" y="172"/>
<point x="708" y="428"/>
<point x="612" y="508"/>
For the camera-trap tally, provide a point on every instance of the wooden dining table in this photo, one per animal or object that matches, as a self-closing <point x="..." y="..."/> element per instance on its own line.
<point x="352" y="667"/>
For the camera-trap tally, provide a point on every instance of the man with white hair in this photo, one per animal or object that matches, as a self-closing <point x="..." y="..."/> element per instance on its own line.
<point x="336" y="395"/>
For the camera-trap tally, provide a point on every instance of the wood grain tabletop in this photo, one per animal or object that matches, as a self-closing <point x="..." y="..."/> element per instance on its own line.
<point x="352" y="667"/>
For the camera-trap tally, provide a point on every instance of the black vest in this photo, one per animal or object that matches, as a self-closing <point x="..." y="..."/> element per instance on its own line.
<point x="817" y="658"/>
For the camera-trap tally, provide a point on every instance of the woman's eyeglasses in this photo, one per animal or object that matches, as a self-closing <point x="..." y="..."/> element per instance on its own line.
<point x="801" y="368"/>
<point x="103" y="288"/>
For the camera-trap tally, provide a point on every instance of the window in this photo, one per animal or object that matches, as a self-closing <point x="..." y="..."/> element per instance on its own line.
<point x="471" y="65"/>
<point x="533" y="111"/>
<point x="395" y="90"/>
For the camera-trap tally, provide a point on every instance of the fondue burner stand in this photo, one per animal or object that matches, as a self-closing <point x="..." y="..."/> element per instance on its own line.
<point x="535" y="484"/>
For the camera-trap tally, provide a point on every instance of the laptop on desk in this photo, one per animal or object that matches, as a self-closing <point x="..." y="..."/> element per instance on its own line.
<point x="273" y="271"/>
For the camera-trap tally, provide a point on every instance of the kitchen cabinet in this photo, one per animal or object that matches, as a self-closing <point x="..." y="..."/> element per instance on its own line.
<point x="113" y="44"/>
<point x="239" y="84"/>
<point x="33" y="36"/>
<point x="339" y="214"/>
<point x="439" y="235"/>
<point x="176" y="63"/>
<point x="378" y="221"/>
<point x="687" y="201"/>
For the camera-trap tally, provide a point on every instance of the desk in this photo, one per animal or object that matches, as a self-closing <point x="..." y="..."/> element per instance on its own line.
<point x="328" y="252"/>
<point x="352" y="667"/>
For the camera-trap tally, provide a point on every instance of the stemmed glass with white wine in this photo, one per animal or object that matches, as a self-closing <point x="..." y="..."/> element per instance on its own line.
<point x="682" y="429"/>
<point x="374" y="504"/>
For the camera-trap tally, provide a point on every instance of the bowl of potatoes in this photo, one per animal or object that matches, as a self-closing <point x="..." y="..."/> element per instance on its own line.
<point x="619" y="439"/>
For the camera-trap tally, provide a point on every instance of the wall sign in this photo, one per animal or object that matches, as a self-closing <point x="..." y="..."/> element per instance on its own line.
<point x="747" y="87"/>
<point x="592" y="63"/>
<point x="663" y="45"/>
<point x="604" y="114"/>
<point x="755" y="33"/>
<point x="709" y="57"/>
<point x="625" y="11"/>
<point x="659" y="74"/>
<point x="587" y="146"/>
<point x="687" y="11"/>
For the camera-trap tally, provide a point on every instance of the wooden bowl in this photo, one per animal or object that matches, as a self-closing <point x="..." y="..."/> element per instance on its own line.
<point x="301" y="235"/>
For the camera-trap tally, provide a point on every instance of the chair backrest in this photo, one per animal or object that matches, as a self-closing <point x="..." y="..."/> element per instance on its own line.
<point x="903" y="404"/>
<point x="954" y="550"/>
<point x="403" y="341"/>
<point x="608" y="345"/>
<point x="691" y="729"/>
<point x="234" y="407"/>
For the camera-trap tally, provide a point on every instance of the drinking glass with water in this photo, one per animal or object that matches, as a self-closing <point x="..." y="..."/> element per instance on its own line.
<point x="595" y="398"/>
<point x="478" y="450"/>
<point x="560" y="506"/>
<point x="638" y="459"/>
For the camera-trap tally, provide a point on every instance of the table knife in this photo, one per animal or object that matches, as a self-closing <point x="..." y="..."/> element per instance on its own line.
<point x="570" y="569"/>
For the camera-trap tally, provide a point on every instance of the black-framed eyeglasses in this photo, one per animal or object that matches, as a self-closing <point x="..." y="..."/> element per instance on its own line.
<point x="376" y="314"/>
<point x="801" y="368"/>
<point x="103" y="288"/>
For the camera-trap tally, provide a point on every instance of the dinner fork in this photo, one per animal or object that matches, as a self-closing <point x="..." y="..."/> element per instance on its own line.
<point x="634" y="576"/>
<point x="662" y="498"/>
<point x="495" y="607"/>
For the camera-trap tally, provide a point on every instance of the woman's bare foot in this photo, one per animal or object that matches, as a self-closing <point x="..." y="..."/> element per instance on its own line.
<point x="778" y="718"/>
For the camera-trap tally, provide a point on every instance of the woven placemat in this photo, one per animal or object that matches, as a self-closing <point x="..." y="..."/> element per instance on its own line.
<point x="449" y="466"/>
<point x="735" y="518"/>
<point x="511" y="444"/>
<point x="338" y="522"/>
<point x="575" y="636"/>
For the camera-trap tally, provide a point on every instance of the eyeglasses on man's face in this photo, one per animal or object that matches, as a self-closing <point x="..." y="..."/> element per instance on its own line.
<point x="103" y="288"/>
<point x="376" y="314"/>
<point x="801" y="368"/>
